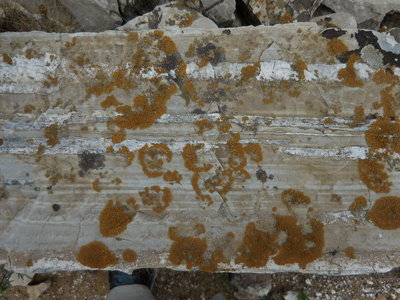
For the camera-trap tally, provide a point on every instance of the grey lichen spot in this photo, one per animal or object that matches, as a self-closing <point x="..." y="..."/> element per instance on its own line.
<point x="372" y="57"/>
<point x="261" y="175"/>
<point x="213" y="53"/>
<point x="90" y="161"/>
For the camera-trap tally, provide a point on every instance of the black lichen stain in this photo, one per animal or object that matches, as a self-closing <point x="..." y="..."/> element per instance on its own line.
<point x="56" y="207"/>
<point x="261" y="175"/>
<point x="90" y="161"/>
<point x="3" y="192"/>
<point x="332" y="33"/>
<point x="210" y="53"/>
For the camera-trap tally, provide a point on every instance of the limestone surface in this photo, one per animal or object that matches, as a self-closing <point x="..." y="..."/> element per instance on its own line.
<point x="252" y="149"/>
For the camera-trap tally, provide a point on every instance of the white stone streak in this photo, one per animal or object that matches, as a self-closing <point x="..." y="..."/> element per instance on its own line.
<point x="354" y="152"/>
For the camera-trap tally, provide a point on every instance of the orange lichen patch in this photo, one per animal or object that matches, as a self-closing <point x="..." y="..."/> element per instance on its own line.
<point x="250" y="71"/>
<point x="72" y="43"/>
<point x="357" y="205"/>
<point x="114" y="219"/>
<point x="7" y="59"/>
<point x="119" y="80"/>
<point x="145" y="112"/>
<point x="294" y="94"/>
<point x="129" y="255"/>
<point x="51" y="133"/>
<point x="110" y="101"/>
<point x="188" y="250"/>
<point x="118" y="137"/>
<point x="191" y="159"/>
<point x="301" y="248"/>
<point x="28" y="108"/>
<point x="95" y="185"/>
<point x="286" y="18"/>
<point x="256" y="248"/>
<point x="132" y="203"/>
<point x="29" y="263"/>
<point x="51" y="81"/>
<point x="336" y="46"/>
<point x="328" y="121"/>
<point x="203" y="125"/>
<point x="128" y="154"/>
<point x="386" y="213"/>
<point x="153" y="158"/>
<point x="81" y="61"/>
<point x="152" y="197"/>
<point x="172" y="177"/>
<point x="225" y="127"/>
<point x="384" y="134"/>
<point x="349" y="252"/>
<point x="358" y="115"/>
<point x="191" y="50"/>
<point x="211" y="265"/>
<point x="373" y="174"/>
<point x="245" y="57"/>
<point x="382" y="77"/>
<point x="254" y="151"/>
<point x="348" y="75"/>
<point x="30" y="53"/>
<point x="117" y="181"/>
<point x="270" y="98"/>
<point x="39" y="152"/>
<point x="96" y="255"/>
<point x="186" y="21"/>
<point x="199" y="228"/>
<point x="300" y="66"/>
<point x="195" y="184"/>
<point x="292" y="197"/>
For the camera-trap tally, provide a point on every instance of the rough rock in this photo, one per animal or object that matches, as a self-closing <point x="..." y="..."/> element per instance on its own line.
<point x="368" y="13"/>
<point x="251" y="286"/>
<point x="85" y="15"/>
<point x="338" y="20"/>
<point x="282" y="12"/>
<point x="222" y="12"/>
<point x="221" y="150"/>
<point x="130" y="9"/>
<point x="170" y="17"/>
<point x="395" y="32"/>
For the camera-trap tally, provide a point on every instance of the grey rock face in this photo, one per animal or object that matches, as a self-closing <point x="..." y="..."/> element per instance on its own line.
<point x="368" y="13"/>
<point x="342" y="20"/>
<point x="222" y="12"/>
<point x="169" y="16"/>
<point x="251" y="286"/>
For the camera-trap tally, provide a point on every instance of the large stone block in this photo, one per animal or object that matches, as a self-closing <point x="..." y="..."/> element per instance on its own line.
<point x="250" y="149"/>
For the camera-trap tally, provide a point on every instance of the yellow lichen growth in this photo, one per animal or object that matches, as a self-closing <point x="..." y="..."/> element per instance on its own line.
<point x="212" y="264"/>
<point x="300" y="66"/>
<point x="250" y="71"/>
<point x="41" y="149"/>
<point x="301" y="248"/>
<point x="254" y="151"/>
<point x="95" y="185"/>
<point x="29" y="108"/>
<point x="114" y="219"/>
<point x="349" y="252"/>
<point x="348" y="75"/>
<point x="29" y="263"/>
<point x="188" y="250"/>
<point x="145" y="112"/>
<point x="199" y="228"/>
<point x="286" y="18"/>
<point x="336" y="46"/>
<point x="172" y="177"/>
<point x="382" y="77"/>
<point x="225" y="127"/>
<point x="156" y="197"/>
<point x="186" y="21"/>
<point x="119" y="80"/>
<point x="358" y="115"/>
<point x="118" y="137"/>
<point x="203" y="125"/>
<point x="385" y="213"/>
<point x="51" y="133"/>
<point x="384" y="134"/>
<point x="152" y="159"/>
<point x="293" y="197"/>
<point x="357" y="205"/>
<point x="128" y="154"/>
<point x="191" y="159"/>
<point x="129" y="255"/>
<point x="96" y="255"/>
<point x="7" y="59"/>
<point x="256" y="248"/>
<point x="328" y="121"/>
<point x="110" y="101"/>
<point x="373" y="174"/>
<point x="51" y="81"/>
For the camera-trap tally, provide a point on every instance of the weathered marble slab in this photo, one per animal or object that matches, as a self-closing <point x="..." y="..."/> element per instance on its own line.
<point x="268" y="128"/>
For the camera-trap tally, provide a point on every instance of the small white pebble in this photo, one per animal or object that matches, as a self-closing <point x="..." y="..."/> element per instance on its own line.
<point x="370" y="282"/>
<point x="308" y="282"/>
<point x="398" y="291"/>
<point x="318" y="295"/>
